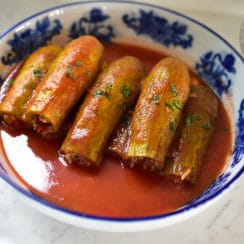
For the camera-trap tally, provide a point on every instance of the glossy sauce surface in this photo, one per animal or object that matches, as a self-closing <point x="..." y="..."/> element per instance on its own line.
<point x="113" y="190"/>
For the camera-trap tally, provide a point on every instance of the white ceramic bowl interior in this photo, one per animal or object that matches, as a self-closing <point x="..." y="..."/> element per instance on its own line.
<point x="205" y="52"/>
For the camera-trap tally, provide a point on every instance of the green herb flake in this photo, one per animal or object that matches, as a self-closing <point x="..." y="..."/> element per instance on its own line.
<point x="197" y="117"/>
<point x="225" y="129"/>
<point x="173" y="89"/>
<point x="37" y="73"/>
<point x="108" y="86"/>
<point x="107" y="95"/>
<point x="126" y="91"/>
<point x="177" y="105"/>
<point x="98" y="93"/>
<point x="155" y="99"/>
<point x="169" y="105"/>
<point x="104" y="92"/>
<point x="172" y="127"/>
<point x="11" y="82"/>
<point x="191" y="119"/>
<point x="107" y="90"/>
<point x="79" y="63"/>
<point x="69" y="70"/>
<point x="205" y="126"/>
<point x="188" y="122"/>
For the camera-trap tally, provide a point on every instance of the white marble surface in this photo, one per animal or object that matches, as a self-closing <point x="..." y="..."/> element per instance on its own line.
<point x="221" y="223"/>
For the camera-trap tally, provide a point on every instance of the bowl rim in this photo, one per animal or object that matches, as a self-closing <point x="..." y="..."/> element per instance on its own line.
<point x="179" y="211"/>
<point x="136" y="2"/>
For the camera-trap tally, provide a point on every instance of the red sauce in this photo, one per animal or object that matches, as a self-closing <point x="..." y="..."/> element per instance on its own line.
<point x="113" y="190"/>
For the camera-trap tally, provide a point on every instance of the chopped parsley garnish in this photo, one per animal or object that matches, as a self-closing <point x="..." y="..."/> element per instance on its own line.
<point x="155" y="99"/>
<point x="177" y="105"/>
<point x="98" y="93"/>
<point x="37" y="73"/>
<point x="78" y="63"/>
<point x="205" y="126"/>
<point x="188" y="122"/>
<point x="173" y="89"/>
<point x="69" y="70"/>
<point x="173" y="105"/>
<point x="172" y="127"/>
<point x="11" y="81"/>
<point x="191" y="119"/>
<point x="169" y="105"/>
<point x="107" y="95"/>
<point x="126" y="91"/>
<point x="107" y="90"/>
<point x="104" y="92"/>
<point x="197" y="117"/>
<point x="108" y="86"/>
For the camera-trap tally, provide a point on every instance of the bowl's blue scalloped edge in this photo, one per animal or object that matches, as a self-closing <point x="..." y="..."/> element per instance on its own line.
<point x="186" y="208"/>
<point x="93" y="217"/>
<point x="118" y="1"/>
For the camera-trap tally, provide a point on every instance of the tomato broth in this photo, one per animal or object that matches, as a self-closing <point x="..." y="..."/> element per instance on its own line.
<point x="113" y="190"/>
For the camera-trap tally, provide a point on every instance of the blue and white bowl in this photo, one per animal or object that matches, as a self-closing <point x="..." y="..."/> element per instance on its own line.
<point x="207" y="53"/>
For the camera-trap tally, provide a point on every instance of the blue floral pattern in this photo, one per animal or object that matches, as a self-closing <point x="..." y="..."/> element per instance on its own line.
<point x="93" y="25"/>
<point x="239" y="152"/>
<point x="216" y="69"/>
<point x="159" y="29"/>
<point x="239" y="144"/>
<point x="216" y="186"/>
<point x="25" y="42"/>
